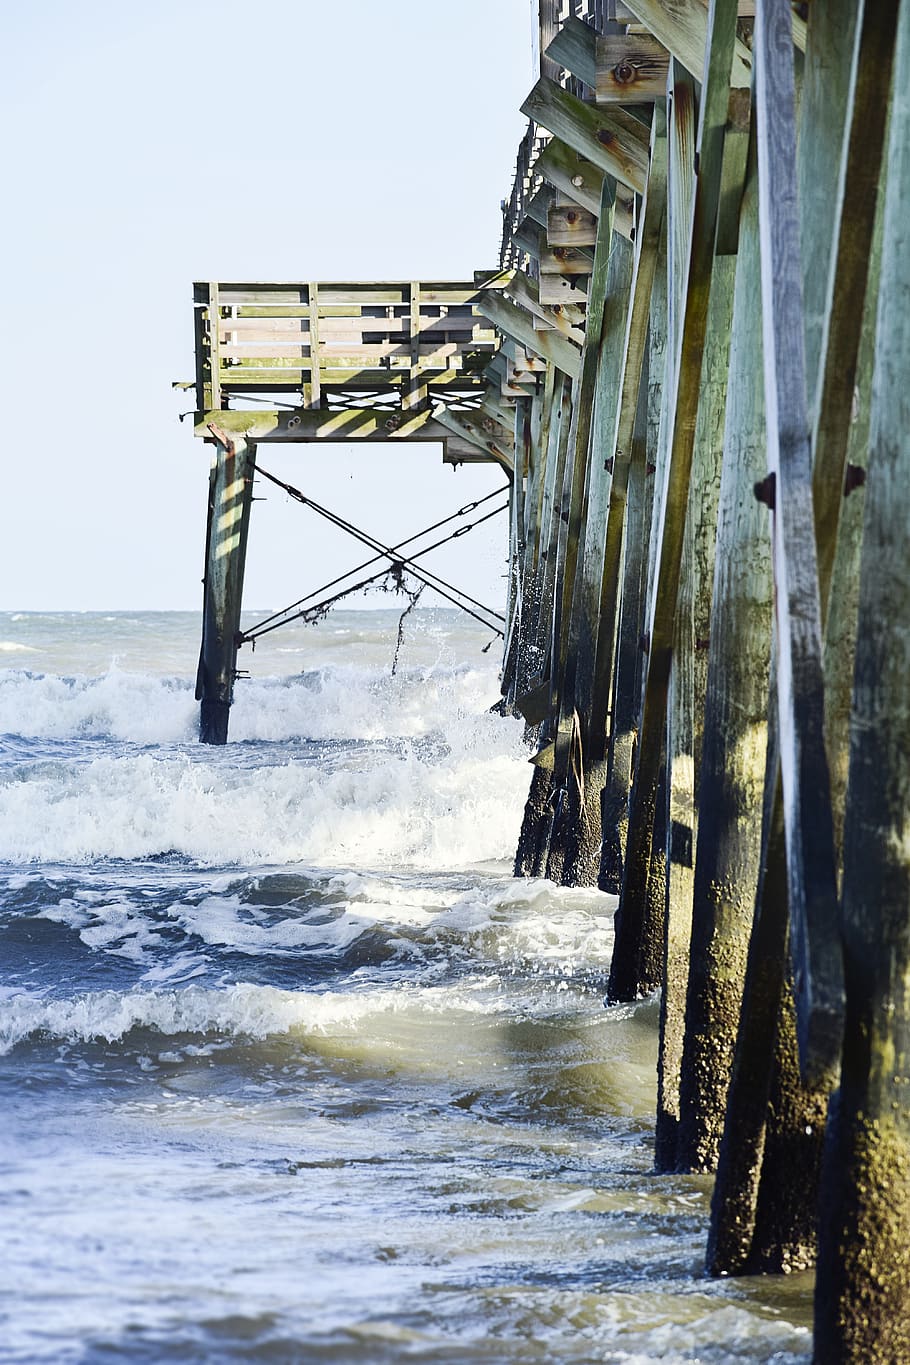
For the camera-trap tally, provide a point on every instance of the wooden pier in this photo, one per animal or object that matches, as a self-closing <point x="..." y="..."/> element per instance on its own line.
<point x="694" y="365"/>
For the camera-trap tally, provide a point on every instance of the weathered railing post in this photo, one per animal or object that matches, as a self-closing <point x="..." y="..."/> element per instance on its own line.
<point x="230" y="496"/>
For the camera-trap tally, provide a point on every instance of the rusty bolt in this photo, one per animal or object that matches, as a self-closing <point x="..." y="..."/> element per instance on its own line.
<point x="624" y="73"/>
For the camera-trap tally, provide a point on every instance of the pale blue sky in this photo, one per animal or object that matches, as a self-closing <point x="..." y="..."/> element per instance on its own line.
<point x="148" y="146"/>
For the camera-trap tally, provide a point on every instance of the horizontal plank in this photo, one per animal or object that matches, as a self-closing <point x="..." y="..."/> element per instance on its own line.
<point x="319" y="424"/>
<point x="349" y="356"/>
<point x="249" y="375"/>
<point x="613" y="140"/>
<point x="350" y="329"/>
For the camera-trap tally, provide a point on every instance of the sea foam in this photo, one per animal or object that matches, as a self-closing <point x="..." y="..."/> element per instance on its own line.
<point x="434" y="780"/>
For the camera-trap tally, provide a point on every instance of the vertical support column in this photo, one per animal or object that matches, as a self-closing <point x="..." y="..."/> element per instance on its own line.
<point x="733" y="763"/>
<point x="414" y="396"/>
<point x="862" y="1304"/>
<point x="313" y="394"/>
<point x="230" y="496"/>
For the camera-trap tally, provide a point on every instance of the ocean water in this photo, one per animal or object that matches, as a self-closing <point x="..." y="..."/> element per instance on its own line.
<point x="291" y="1069"/>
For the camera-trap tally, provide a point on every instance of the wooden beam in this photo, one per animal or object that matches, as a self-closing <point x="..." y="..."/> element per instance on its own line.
<point x="557" y="290"/>
<point x="682" y="28"/>
<point x="614" y="141"/>
<point x="580" y="180"/>
<point x="863" y="155"/>
<point x="517" y="323"/>
<point x="566" y="260"/>
<point x="321" y="424"/>
<point x="630" y="69"/>
<point x="573" y="49"/>
<point x="481" y="431"/>
<point x="230" y="497"/>
<point x="862" y="1304"/>
<point x="569" y="225"/>
<point x="568" y="320"/>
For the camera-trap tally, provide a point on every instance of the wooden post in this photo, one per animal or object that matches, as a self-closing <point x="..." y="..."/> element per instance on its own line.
<point x="581" y="855"/>
<point x="733" y="756"/>
<point x="806" y="788"/>
<point x="631" y="916"/>
<point x="862" y="1308"/>
<point x="623" y="739"/>
<point x="618" y="405"/>
<point x="230" y="496"/>
<point x="534" y="839"/>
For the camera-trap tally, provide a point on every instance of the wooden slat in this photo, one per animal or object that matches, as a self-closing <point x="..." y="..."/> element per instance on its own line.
<point x="811" y="876"/>
<point x="343" y="355"/>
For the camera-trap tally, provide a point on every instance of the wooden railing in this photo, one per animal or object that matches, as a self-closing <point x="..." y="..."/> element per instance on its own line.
<point x="318" y="344"/>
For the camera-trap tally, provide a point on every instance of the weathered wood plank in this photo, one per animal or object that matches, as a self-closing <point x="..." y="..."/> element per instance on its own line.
<point x="570" y="226"/>
<point x="630" y="69"/>
<point x="479" y="430"/>
<point x="573" y="48"/>
<point x="518" y="324"/>
<point x="682" y="28"/>
<point x="567" y="320"/>
<point x="566" y="260"/>
<point x="618" y="145"/>
<point x="556" y="291"/>
<point x="578" y="178"/>
<point x="348" y="424"/>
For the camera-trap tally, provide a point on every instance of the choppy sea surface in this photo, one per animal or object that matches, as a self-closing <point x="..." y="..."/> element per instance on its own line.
<point x="291" y="1069"/>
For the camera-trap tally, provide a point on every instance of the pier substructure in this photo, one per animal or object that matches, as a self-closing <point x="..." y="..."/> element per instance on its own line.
<point x="693" y="357"/>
